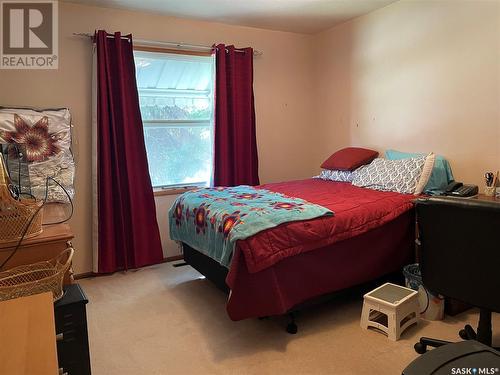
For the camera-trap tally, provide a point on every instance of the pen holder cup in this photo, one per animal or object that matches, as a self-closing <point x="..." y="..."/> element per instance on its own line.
<point x="489" y="191"/>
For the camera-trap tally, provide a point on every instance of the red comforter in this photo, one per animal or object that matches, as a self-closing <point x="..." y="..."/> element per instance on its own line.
<point x="356" y="211"/>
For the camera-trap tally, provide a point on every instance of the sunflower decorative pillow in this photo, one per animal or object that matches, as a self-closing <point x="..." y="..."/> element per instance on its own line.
<point x="46" y="136"/>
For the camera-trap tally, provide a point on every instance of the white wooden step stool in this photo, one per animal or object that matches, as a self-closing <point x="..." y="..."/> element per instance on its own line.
<point x="390" y="308"/>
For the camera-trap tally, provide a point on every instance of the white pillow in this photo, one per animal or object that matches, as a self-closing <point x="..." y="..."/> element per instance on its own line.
<point x="426" y="173"/>
<point x="336" y="175"/>
<point x="401" y="176"/>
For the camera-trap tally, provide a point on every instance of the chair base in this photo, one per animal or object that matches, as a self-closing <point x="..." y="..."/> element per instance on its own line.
<point x="483" y="334"/>
<point x="469" y="357"/>
<point x="421" y="346"/>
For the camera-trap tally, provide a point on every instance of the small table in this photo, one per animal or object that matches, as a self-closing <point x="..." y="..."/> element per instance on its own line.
<point x="390" y="308"/>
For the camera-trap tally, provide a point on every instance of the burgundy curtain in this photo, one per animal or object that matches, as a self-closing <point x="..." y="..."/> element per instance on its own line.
<point x="235" y="159"/>
<point x="128" y="235"/>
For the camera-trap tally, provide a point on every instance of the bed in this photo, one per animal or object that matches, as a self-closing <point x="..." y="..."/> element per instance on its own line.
<point x="371" y="234"/>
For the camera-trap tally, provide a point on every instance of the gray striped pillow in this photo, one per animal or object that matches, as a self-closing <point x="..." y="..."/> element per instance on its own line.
<point x="400" y="176"/>
<point x="336" y="175"/>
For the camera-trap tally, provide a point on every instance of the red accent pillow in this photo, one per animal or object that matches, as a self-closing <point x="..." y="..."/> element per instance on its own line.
<point x="349" y="158"/>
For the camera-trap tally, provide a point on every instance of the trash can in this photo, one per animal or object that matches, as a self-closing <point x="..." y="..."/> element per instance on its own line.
<point x="431" y="305"/>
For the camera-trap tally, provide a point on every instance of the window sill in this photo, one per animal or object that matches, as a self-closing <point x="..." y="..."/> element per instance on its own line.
<point x="173" y="191"/>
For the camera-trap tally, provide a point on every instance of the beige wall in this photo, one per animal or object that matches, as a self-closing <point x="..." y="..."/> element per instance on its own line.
<point x="282" y="83"/>
<point x="415" y="76"/>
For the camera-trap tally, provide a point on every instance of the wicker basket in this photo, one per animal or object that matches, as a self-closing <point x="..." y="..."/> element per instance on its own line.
<point x="36" y="278"/>
<point x="15" y="215"/>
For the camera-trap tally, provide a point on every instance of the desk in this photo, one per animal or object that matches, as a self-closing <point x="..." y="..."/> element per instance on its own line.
<point x="480" y="197"/>
<point x="27" y="336"/>
<point x="50" y="243"/>
<point x="483" y="197"/>
<point x="452" y="306"/>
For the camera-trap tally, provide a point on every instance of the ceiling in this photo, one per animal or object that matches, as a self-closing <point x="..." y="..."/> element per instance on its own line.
<point x="300" y="16"/>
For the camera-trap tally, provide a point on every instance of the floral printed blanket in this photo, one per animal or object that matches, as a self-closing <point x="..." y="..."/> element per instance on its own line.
<point x="211" y="220"/>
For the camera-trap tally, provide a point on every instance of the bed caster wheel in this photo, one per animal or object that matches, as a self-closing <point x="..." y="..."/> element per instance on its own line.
<point x="420" y="348"/>
<point x="291" y="328"/>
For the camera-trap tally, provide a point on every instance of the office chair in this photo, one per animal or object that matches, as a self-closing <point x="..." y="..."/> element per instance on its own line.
<point x="460" y="258"/>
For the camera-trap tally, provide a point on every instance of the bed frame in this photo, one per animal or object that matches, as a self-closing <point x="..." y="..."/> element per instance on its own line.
<point x="217" y="274"/>
<point x="208" y="267"/>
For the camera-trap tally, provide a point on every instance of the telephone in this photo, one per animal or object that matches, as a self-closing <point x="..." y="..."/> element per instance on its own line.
<point x="458" y="189"/>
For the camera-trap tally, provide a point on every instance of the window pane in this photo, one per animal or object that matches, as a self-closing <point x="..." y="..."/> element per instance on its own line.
<point x="179" y="155"/>
<point x="178" y="108"/>
<point x="176" y="87"/>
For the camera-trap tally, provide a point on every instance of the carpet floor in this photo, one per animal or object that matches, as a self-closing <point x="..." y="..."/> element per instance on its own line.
<point x="167" y="320"/>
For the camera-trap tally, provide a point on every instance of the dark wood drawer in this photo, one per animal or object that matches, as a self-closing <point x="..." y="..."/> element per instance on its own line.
<point x="71" y="321"/>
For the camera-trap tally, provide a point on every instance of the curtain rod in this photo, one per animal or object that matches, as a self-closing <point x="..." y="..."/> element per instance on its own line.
<point x="179" y="45"/>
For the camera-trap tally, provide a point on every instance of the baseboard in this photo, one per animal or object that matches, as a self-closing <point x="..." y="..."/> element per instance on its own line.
<point x="174" y="258"/>
<point x="84" y="275"/>
<point x="92" y="274"/>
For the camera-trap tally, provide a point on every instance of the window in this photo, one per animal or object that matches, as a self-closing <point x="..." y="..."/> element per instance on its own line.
<point x="176" y="94"/>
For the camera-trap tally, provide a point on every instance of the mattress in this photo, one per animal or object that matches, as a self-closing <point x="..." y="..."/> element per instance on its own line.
<point x="357" y="211"/>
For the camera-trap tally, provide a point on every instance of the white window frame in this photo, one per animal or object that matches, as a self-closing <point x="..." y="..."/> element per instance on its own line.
<point x="202" y="123"/>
